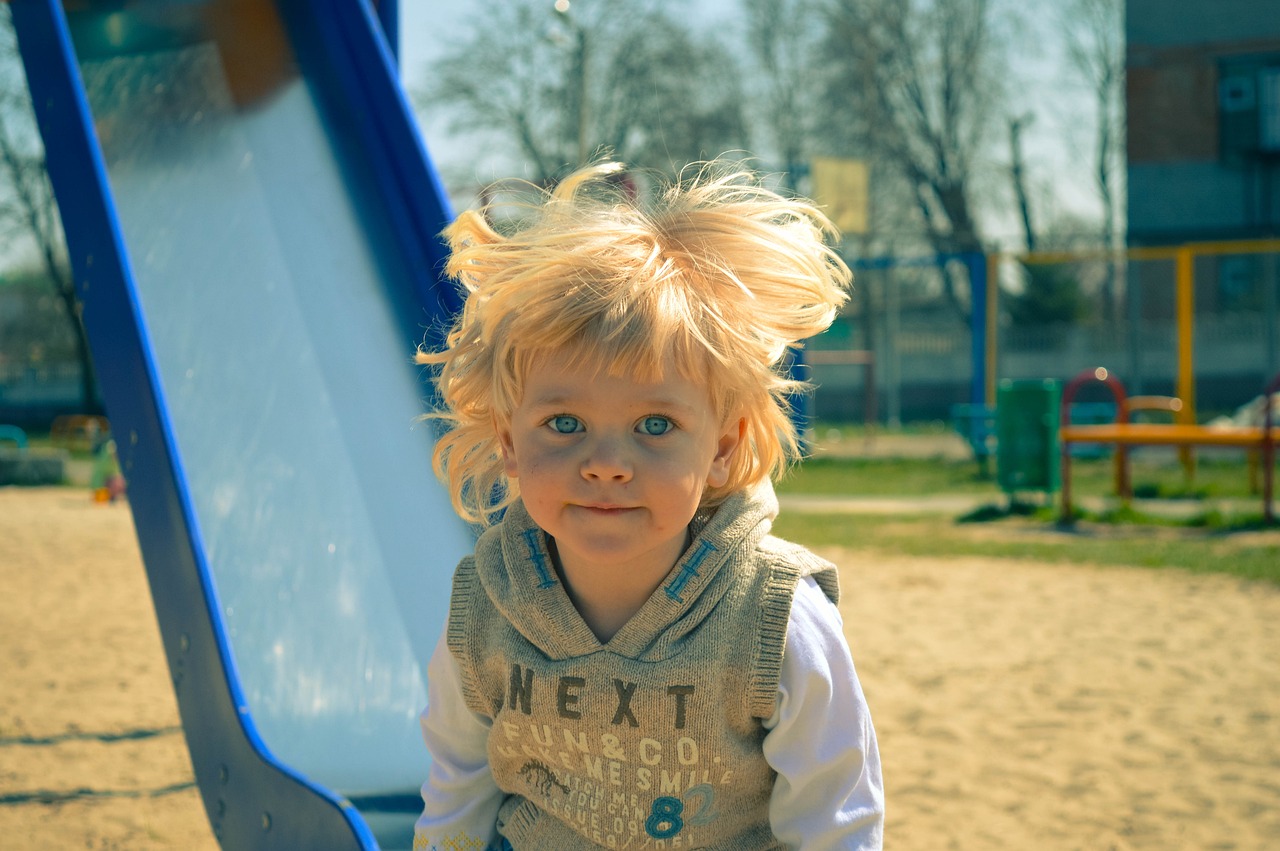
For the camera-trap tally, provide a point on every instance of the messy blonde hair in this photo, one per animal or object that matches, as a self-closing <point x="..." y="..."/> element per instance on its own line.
<point x="718" y="273"/>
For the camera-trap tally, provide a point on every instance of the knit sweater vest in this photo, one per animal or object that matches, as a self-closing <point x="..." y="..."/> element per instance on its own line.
<point x="653" y="739"/>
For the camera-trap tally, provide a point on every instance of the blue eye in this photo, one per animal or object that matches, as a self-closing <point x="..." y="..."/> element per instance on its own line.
<point x="565" y="424"/>
<point x="656" y="425"/>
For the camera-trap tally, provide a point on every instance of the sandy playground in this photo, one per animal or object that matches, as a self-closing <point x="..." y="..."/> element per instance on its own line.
<point x="1019" y="705"/>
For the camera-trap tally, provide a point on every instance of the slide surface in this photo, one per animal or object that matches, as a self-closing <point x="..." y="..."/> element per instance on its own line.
<point x="273" y="271"/>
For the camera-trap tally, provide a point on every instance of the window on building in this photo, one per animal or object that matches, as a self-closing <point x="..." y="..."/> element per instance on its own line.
<point x="1249" y="107"/>
<point x="1269" y="110"/>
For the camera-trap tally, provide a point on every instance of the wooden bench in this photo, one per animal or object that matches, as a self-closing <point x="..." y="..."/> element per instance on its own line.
<point x="1124" y="433"/>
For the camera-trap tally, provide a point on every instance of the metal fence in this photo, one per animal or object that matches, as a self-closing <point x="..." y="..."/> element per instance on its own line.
<point x="902" y="352"/>
<point x="1196" y="321"/>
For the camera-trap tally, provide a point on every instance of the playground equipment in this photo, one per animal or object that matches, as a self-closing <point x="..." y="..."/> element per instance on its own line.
<point x="106" y="484"/>
<point x="79" y="431"/>
<point x="975" y="419"/>
<point x="252" y="223"/>
<point x="14" y="435"/>
<point x="1026" y="437"/>
<point x="1124" y="433"/>
<point x="1184" y="259"/>
<point x="21" y="464"/>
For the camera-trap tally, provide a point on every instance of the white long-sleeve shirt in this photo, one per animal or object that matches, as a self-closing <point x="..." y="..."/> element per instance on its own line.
<point x="828" y="793"/>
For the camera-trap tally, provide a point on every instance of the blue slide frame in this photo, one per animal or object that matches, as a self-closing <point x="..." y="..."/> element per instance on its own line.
<point x="253" y="798"/>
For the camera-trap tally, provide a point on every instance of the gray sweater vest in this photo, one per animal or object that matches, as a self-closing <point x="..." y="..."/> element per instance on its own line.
<point x="652" y="740"/>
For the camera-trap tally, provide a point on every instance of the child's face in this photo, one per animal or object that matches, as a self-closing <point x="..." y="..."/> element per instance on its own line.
<point x="613" y="469"/>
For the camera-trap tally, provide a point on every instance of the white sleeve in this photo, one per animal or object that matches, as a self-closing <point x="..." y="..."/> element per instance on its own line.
<point x="460" y="797"/>
<point x="829" y="793"/>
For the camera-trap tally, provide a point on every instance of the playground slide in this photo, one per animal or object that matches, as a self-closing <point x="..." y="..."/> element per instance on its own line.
<point x="252" y="224"/>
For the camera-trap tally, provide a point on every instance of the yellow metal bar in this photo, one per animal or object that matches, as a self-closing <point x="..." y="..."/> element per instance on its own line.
<point x="1156" y="252"/>
<point x="1185" y="276"/>
<point x="1184" y="262"/>
<point x="1048" y="257"/>
<point x="1161" y="434"/>
<point x="1235" y="246"/>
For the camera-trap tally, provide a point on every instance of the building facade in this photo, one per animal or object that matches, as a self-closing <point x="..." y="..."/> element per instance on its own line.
<point x="1203" y="93"/>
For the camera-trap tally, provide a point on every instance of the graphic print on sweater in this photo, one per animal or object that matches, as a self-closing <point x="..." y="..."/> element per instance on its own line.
<point x="630" y="788"/>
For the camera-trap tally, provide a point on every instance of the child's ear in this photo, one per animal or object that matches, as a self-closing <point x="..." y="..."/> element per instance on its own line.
<point x="731" y="437"/>
<point x="508" y="449"/>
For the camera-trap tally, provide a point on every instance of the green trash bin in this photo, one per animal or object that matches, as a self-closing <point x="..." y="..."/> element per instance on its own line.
<point x="1027" y="435"/>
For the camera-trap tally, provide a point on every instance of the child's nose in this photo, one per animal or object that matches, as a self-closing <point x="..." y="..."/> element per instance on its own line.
<point x="606" y="459"/>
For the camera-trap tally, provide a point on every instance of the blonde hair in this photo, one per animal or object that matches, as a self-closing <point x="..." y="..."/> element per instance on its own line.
<point x="718" y="273"/>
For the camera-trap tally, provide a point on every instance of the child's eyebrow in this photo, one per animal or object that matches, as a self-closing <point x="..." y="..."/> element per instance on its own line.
<point x="665" y="403"/>
<point x="557" y="398"/>
<point x="554" y="398"/>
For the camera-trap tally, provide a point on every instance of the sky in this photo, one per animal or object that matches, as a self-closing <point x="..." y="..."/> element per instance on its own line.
<point x="425" y="26"/>
<point x="1057" y="141"/>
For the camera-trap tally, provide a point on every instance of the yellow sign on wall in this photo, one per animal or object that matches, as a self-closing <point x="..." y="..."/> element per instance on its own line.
<point x="840" y="187"/>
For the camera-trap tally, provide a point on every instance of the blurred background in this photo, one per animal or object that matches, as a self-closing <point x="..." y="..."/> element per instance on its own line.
<point x="1025" y="190"/>
<point x="1001" y="172"/>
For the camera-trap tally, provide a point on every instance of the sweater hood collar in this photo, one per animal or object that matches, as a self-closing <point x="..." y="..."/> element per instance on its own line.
<point x="516" y="568"/>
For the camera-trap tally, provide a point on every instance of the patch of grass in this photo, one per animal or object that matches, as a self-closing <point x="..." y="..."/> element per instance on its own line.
<point x="1211" y="519"/>
<point x="1199" y="550"/>
<point x="884" y="477"/>
<point x="1201" y="539"/>
<point x="1154" y="475"/>
<point x="1015" y="508"/>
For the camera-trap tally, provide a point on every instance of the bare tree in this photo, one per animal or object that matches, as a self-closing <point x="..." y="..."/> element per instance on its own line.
<point x="1094" y="34"/>
<point x="1017" y="174"/>
<point x="1051" y="293"/>
<point x="781" y="38"/>
<point x="920" y="84"/>
<point x="29" y="217"/>
<point x="669" y="97"/>
<point x="553" y="88"/>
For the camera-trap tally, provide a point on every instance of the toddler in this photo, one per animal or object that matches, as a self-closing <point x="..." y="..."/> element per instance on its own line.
<point x="631" y="660"/>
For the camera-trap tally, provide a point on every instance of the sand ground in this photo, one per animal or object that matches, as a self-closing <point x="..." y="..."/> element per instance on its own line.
<point x="1019" y="705"/>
